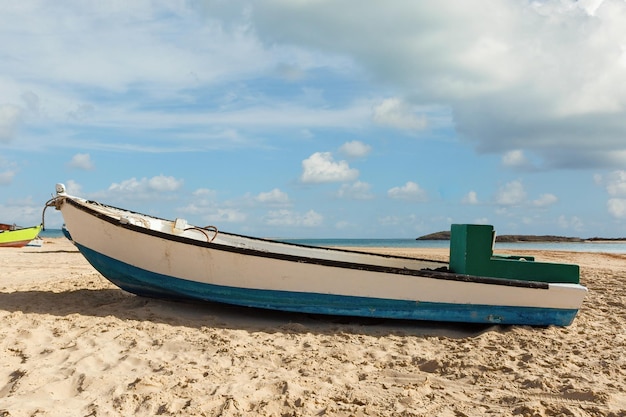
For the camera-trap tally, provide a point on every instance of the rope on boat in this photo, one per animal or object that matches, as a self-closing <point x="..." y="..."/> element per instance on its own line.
<point x="53" y="202"/>
<point x="204" y="231"/>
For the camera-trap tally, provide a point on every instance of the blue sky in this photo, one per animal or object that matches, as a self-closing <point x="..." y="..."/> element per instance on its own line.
<point x="319" y="118"/>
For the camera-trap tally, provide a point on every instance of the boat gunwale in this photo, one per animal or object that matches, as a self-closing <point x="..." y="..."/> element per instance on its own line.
<point x="20" y="229"/>
<point x="83" y="205"/>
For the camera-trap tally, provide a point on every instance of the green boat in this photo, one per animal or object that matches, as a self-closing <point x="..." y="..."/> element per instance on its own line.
<point x="12" y="236"/>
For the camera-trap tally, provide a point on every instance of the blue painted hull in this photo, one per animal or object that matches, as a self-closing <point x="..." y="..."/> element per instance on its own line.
<point x="145" y="283"/>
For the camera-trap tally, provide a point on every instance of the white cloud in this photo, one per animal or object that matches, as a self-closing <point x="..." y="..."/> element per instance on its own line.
<point x="73" y="188"/>
<point x="355" y="149"/>
<point x="195" y="208"/>
<point x="409" y="191"/>
<point x="6" y="177"/>
<point x="321" y="167"/>
<point x="616" y="184"/>
<point x="8" y="172"/>
<point x="22" y="211"/>
<point x="572" y="223"/>
<point x="598" y="179"/>
<point x="398" y="114"/>
<point x="357" y="191"/>
<point x="290" y="218"/>
<point x="225" y="215"/>
<point x="157" y="42"/>
<point x="172" y="54"/>
<point x="9" y="120"/>
<point x="498" y="66"/>
<point x="146" y="187"/>
<point x="205" y="192"/>
<point x="129" y="186"/>
<point x="162" y="183"/>
<point x="506" y="90"/>
<point x="312" y="219"/>
<point x="617" y="207"/>
<point x="510" y="194"/>
<point x="205" y="209"/>
<point x="273" y="197"/>
<point x="514" y="159"/>
<point x="545" y="200"/>
<point x="203" y="201"/>
<point x="470" y="198"/>
<point x="82" y="161"/>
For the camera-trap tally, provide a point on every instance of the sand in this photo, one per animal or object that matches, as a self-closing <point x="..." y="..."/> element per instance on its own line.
<point x="72" y="344"/>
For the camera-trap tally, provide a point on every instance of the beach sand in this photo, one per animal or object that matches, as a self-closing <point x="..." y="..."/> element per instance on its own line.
<point x="72" y="344"/>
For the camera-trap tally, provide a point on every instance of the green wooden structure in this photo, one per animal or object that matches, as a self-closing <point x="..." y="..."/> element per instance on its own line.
<point x="471" y="253"/>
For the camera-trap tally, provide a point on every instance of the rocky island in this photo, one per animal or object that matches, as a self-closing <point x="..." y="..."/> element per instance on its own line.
<point x="445" y="235"/>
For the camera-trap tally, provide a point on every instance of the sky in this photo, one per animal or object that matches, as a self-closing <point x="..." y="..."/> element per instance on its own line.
<point x="319" y="118"/>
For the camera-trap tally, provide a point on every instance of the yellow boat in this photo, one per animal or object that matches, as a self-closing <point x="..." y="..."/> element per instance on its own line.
<point x="15" y="237"/>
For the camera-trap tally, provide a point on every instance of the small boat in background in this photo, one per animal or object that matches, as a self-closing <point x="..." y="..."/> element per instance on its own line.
<point x="36" y="242"/>
<point x="15" y="236"/>
<point x="150" y="256"/>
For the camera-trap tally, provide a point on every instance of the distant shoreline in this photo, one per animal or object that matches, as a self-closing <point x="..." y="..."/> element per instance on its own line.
<point x="445" y="235"/>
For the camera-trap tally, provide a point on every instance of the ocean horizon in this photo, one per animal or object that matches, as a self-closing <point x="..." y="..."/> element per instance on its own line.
<point x="606" y="247"/>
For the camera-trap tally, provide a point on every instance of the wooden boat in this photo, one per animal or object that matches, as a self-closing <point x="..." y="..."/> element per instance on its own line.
<point x="16" y="237"/>
<point x="154" y="257"/>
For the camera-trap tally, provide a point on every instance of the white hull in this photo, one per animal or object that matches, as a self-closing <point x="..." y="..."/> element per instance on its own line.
<point x="149" y="256"/>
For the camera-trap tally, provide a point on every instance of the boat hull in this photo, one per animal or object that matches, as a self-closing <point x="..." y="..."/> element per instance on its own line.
<point x="150" y="284"/>
<point x="18" y="238"/>
<point x="142" y="258"/>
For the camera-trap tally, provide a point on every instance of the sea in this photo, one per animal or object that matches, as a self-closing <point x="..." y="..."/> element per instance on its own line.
<point x="606" y="247"/>
<point x="51" y="233"/>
